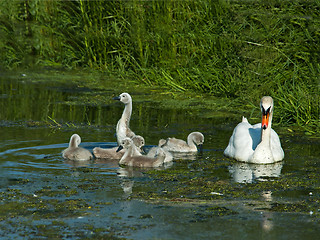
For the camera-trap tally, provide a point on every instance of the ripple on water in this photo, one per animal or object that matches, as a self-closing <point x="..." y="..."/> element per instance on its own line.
<point x="48" y="158"/>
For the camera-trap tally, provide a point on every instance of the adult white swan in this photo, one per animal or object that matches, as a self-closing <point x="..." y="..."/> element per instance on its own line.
<point x="258" y="143"/>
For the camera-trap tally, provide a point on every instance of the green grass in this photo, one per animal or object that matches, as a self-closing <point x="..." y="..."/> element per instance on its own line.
<point x="239" y="49"/>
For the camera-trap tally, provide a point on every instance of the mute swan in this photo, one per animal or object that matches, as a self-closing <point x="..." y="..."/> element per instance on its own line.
<point x="155" y="151"/>
<point x="177" y="145"/>
<point x="111" y="153"/>
<point x="123" y="130"/>
<point x="258" y="143"/>
<point x="73" y="152"/>
<point x="131" y="159"/>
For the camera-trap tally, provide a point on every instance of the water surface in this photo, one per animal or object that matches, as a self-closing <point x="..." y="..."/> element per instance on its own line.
<point x="197" y="197"/>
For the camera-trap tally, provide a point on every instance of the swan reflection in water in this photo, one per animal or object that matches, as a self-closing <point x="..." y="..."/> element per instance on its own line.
<point x="78" y="164"/>
<point x="128" y="174"/>
<point x="267" y="221"/>
<point x="248" y="173"/>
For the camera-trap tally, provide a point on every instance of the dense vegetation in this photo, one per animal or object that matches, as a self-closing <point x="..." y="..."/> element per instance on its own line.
<point x="237" y="49"/>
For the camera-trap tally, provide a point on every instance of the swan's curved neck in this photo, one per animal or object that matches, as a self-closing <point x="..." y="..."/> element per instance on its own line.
<point x="266" y="133"/>
<point x="191" y="143"/>
<point x="73" y="143"/>
<point x="127" y="153"/>
<point x="263" y="153"/>
<point x="132" y="150"/>
<point x="123" y="123"/>
<point x="125" y="118"/>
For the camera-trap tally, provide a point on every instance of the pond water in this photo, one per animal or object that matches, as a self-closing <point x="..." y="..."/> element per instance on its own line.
<point x="197" y="197"/>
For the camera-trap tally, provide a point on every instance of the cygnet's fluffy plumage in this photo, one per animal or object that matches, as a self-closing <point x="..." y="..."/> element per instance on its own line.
<point x="74" y="152"/>
<point x="130" y="158"/>
<point x="153" y="152"/>
<point x="177" y="145"/>
<point x="111" y="153"/>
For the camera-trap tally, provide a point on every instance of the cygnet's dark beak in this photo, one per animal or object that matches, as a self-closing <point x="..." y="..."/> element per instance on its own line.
<point x="143" y="149"/>
<point x="200" y="147"/>
<point x="119" y="148"/>
<point x="116" y="98"/>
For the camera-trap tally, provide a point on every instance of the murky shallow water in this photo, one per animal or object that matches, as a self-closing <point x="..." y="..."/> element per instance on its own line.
<point x="196" y="198"/>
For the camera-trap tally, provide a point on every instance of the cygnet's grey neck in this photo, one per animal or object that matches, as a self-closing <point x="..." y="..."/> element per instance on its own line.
<point x="190" y="142"/>
<point x="123" y="130"/>
<point x="126" y="115"/>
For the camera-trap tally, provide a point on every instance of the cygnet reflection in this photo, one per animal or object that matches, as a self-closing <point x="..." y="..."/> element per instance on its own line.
<point x="127" y="175"/>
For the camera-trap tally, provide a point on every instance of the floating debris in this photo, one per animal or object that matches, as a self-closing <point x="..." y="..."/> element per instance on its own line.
<point x="216" y="193"/>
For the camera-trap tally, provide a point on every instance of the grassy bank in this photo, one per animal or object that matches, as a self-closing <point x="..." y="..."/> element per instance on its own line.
<point x="238" y="49"/>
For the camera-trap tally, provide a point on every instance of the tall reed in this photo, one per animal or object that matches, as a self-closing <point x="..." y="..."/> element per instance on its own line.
<point x="235" y="49"/>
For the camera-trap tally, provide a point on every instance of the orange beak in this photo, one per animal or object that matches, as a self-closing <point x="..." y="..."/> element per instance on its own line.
<point x="265" y="120"/>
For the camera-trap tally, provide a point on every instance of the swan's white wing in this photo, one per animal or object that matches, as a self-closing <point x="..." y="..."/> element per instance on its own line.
<point x="276" y="148"/>
<point x="241" y="142"/>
